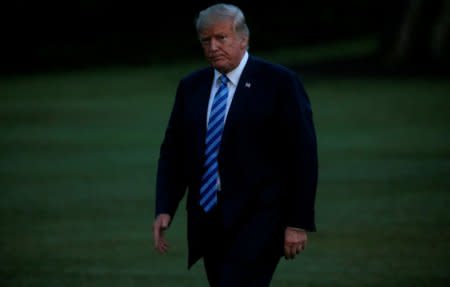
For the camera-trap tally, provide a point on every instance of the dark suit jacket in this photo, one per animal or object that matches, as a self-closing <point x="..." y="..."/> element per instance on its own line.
<point x="267" y="161"/>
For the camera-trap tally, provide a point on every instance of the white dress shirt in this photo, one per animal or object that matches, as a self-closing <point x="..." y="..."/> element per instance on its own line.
<point x="233" y="77"/>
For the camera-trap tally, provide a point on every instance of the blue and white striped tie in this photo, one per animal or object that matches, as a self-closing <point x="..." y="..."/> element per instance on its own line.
<point x="210" y="179"/>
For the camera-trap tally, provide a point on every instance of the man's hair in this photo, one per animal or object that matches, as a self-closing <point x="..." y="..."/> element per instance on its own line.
<point x="220" y="12"/>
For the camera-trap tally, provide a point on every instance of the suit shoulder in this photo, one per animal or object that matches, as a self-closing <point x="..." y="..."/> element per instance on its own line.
<point x="274" y="68"/>
<point x="270" y="71"/>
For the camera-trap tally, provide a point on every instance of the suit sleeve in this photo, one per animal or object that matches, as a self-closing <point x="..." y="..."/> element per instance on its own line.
<point x="299" y="154"/>
<point x="170" y="181"/>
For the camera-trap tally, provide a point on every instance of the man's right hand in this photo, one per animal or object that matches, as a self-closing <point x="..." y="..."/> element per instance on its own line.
<point x="161" y="223"/>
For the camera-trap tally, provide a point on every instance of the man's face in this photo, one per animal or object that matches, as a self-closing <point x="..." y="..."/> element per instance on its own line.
<point x="223" y="48"/>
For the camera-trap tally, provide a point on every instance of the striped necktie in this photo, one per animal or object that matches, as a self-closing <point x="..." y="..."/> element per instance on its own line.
<point x="216" y="122"/>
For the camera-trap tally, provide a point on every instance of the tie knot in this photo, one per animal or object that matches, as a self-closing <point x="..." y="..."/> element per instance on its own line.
<point x="223" y="79"/>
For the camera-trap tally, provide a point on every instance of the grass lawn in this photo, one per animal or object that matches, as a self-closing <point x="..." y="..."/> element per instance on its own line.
<point x="77" y="171"/>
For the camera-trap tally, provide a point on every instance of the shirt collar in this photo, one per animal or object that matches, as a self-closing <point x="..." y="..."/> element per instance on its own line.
<point x="234" y="75"/>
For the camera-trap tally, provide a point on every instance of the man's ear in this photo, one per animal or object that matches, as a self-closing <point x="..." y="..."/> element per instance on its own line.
<point x="244" y="42"/>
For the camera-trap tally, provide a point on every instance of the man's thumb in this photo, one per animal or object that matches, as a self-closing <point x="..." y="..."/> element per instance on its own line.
<point x="164" y="223"/>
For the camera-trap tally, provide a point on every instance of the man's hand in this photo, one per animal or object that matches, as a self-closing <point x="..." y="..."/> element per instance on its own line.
<point x="161" y="223"/>
<point x="294" y="242"/>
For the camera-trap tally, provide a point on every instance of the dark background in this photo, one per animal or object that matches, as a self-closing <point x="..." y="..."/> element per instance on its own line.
<point x="55" y="35"/>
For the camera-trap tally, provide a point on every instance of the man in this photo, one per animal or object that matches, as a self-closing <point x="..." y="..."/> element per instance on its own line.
<point x="241" y="140"/>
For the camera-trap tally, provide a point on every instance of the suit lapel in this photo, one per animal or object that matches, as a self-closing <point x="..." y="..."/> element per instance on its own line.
<point x="198" y="106"/>
<point x="240" y="99"/>
<point x="204" y="94"/>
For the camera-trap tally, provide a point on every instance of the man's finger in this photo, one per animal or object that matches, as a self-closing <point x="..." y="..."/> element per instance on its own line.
<point x="162" y="245"/>
<point x="156" y="234"/>
<point x="289" y="251"/>
<point x="300" y="248"/>
<point x="286" y="252"/>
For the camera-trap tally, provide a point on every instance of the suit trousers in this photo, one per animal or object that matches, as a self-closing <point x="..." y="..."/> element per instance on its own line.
<point x="225" y="261"/>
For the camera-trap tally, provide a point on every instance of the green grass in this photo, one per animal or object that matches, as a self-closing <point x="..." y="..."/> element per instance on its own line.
<point x="77" y="171"/>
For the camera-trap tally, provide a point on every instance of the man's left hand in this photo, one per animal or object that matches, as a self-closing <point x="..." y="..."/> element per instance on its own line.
<point x="294" y="242"/>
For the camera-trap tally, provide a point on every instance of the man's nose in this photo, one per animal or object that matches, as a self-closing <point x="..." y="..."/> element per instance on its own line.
<point x="213" y="44"/>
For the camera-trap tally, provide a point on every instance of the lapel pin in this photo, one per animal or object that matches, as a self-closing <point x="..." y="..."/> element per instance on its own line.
<point x="248" y="85"/>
